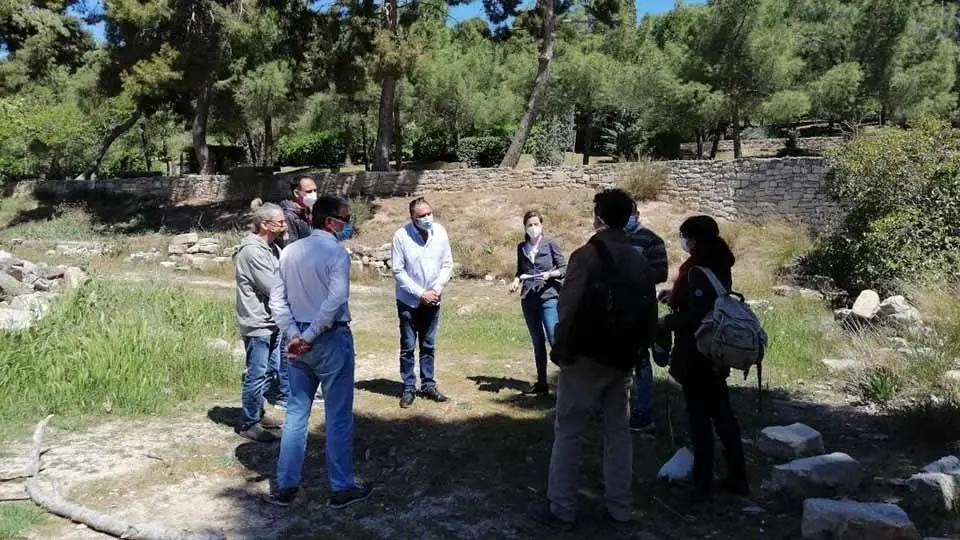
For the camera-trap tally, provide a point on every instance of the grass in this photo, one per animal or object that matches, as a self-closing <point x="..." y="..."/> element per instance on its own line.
<point x="797" y="341"/>
<point x="18" y="517"/>
<point x="116" y="349"/>
<point x="644" y="180"/>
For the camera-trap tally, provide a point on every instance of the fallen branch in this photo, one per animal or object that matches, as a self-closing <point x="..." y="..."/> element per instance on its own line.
<point x="55" y="503"/>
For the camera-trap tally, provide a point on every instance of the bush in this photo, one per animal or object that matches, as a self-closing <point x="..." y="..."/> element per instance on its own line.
<point x="644" y="180"/>
<point x="900" y="197"/>
<point x="482" y="151"/>
<point x="317" y="148"/>
<point x="549" y="140"/>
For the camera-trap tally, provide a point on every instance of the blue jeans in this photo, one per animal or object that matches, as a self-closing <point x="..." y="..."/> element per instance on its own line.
<point x="283" y="373"/>
<point x="263" y="362"/>
<point x="541" y="317"/>
<point x="417" y="324"/>
<point x="329" y="363"/>
<point x="642" y="410"/>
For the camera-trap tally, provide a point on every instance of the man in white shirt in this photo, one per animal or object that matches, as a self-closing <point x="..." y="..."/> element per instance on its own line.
<point x="422" y="266"/>
<point x="309" y="304"/>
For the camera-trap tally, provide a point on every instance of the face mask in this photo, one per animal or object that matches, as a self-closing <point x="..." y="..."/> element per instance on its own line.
<point x="684" y="245"/>
<point x="279" y="230"/>
<point x="632" y="224"/>
<point x="534" y="231"/>
<point x="309" y="199"/>
<point x="425" y="223"/>
<point x="345" y="233"/>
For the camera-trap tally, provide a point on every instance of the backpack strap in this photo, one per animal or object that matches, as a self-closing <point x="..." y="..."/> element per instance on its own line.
<point x="607" y="265"/>
<point x="714" y="281"/>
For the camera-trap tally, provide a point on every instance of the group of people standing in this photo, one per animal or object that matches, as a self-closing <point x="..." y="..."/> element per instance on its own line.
<point x="597" y="314"/>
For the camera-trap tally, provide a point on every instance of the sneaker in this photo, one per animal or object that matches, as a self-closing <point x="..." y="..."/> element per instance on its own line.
<point x="256" y="433"/>
<point x="640" y="425"/>
<point x="343" y="499"/>
<point x="431" y="392"/>
<point x="283" y="497"/>
<point x="541" y="513"/>
<point x="537" y="389"/>
<point x="407" y="399"/>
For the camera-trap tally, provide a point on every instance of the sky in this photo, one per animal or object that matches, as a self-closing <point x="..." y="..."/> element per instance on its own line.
<point x="475" y="9"/>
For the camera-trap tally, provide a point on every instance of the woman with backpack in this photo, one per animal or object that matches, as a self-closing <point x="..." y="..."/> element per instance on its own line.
<point x="540" y="266"/>
<point x="704" y="383"/>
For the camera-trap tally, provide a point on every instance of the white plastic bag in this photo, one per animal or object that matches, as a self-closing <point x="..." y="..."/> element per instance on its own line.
<point x="679" y="468"/>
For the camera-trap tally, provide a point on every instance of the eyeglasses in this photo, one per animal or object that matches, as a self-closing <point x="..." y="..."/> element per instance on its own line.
<point x="345" y="219"/>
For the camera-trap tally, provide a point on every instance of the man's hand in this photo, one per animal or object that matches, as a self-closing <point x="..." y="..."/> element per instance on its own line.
<point x="430" y="298"/>
<point x="515" y="285"/>
<point x="664" y="296"/>
<point x="297" y="347"/>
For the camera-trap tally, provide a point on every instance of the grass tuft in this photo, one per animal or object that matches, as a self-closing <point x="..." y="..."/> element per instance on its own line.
<point x="17" y="517"/>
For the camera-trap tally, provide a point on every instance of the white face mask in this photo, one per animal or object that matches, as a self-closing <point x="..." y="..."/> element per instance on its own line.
<point x="310" y="199"/>
<point x="534" y="231"/>
<point x="684" y="245"/>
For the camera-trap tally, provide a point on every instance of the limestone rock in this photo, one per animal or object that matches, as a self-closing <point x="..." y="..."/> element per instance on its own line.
<point x="15" y="319"/>
<point x="836" y="472"/>
<point x="898" y="310"/>
<point x="934" y="490"/>
<point x="946" y="464"/>
<point x="867" y="305"/>
<point x="37" y="304"/>
<point x="678" y="468"/>
<point x="839" y="365"/>
<point x="10" y="286"/>
<point x="185" y="239"/>
<point x="825" y="519"/>
<point x="177" y="249"/>
<point x="791" y="442"/>
<point x="75" y="278"/>
<point x="790" y="291"/>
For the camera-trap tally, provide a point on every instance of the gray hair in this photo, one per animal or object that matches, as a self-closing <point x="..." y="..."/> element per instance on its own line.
<point x="261" y="212"/>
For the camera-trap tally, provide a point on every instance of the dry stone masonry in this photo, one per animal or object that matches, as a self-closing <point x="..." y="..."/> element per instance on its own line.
<point x="747" y="189"/>
<point x="27" y="290"/>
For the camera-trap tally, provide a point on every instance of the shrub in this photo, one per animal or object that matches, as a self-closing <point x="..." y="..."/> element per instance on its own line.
<point x="317" y="148"/>
<point x="482" y="151"/>
<point x="879" y="386"/>
<point x="644" y="180"/>
<point x="549" y="140"/>
<point x="900" y="196"/>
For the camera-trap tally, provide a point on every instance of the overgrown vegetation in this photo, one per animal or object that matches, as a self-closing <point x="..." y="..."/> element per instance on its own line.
<point x="900" y="197"/>
<point x="643" y="180"/>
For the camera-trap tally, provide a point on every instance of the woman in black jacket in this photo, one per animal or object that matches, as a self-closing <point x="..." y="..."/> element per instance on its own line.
<point x="540" y="266"/>
<point x="704" y="384"/>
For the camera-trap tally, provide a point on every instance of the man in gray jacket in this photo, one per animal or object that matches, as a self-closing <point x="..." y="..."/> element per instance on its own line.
<point x="256" y="264"/>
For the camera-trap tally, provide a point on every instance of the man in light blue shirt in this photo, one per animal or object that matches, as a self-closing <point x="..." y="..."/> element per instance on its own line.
<point x="422" y="265"/>
<point x="309" y="304"/>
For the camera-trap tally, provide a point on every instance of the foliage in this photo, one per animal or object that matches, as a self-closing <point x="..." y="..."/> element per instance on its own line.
<point x="317" y="149"/>
<point x="644" y="180"/>
<point x="900" y="194"/>
<point x="878" y="386"/>
<point x="550" y="139"/>
<point x="482" y="151"/>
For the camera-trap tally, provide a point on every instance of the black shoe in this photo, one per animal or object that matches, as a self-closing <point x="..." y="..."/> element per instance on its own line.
<point x="537" y="389"/>
<point x="283" y="497"/>
<point x="431" y="392"/>
<point x="256" y="433"/>
<point x="541" y="513"/>
<point x="343" y="499"/>
<point x="407" y="399"/>
<point x="606" y="518"/>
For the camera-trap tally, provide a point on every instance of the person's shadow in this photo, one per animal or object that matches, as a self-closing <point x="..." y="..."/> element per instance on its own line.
<point x="496" y="384"/>
<point x="383" y="387"/>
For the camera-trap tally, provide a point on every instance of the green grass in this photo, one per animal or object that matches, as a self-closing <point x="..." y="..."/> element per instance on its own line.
<point x="798" y="341"/>
<point x="494" y="334"/>
<point x="17" y="517"/>
<point x="115" y="349"/>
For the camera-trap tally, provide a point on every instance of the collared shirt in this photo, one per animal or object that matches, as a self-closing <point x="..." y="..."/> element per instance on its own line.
<point x="314" y="286"/>
<point x="420" y="265"/>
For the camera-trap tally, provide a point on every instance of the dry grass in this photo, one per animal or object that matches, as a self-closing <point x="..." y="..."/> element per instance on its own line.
<point x="644" y="180"/>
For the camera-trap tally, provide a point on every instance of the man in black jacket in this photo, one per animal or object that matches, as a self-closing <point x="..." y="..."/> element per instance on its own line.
<point x="607" y="313"/>
<point x="297" y="211"/>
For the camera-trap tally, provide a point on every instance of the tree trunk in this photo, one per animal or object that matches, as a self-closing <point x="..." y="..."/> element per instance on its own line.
<point x="539" y="85"/>
<point x="737" y="150"/>
<point x="700" y="143"/>
<point x="587" y="135"/>
<point x="268" y="141"/>
<point x="251" y="147"/>
<point x="716" y="141"/>
<point x="112" y="136"/>
<point x="398" y="139"/>
<point x="348" y="143"/>
<point x="388" y="89"/>
<point x="365" y="143"/>
<point x="200" y="115"/>
<point x="145" y="148"/>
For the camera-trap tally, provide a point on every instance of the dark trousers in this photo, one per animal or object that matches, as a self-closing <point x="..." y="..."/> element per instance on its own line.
<point x="417" y="325"/>
<point x="708" y="407"/>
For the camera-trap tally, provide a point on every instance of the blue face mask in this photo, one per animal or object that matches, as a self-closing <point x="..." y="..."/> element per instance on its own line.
<point x="632" y="224"/>
<point x="425" y="223"/>
<point x="345" y="233"/>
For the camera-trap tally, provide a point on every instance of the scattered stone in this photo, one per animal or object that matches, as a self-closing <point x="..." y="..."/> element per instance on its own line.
<point x="946" y="464"/>
<point x="15" y="319"/>
<point x="838" y="365"/>
<point x="207" y="246"/>
<point x="55" y="272"/>
<point x="37" y="304"/>
<point x="791" y="442"/>
<point x="934" y="490"/>
<point x="10" y="286"/>
<point x="488" y="277"/>
<point x="144" y="256"/>
<point x="790" y="291"/>
<point x="466" y="309"/>
<point x="898" y="310"/>
<point x="834" y="472"/>
<point x="177" y="249"/>
<point x="185" y="239"/>
<point x="825" y="519"/>
<point x="678" y="468"/>
<point x="167" y="264"/>
<point x="222" y="345"/>
<point x="75" y="278"/>
<point x="867" y="305"/>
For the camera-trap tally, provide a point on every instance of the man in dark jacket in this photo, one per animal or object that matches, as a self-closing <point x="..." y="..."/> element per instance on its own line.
<point x="607" y="311"/>
<point x="297" y="210"/>
<point x="654" y="249"/>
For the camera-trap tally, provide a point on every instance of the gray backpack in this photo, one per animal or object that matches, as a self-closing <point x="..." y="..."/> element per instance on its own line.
<point x="731" y="335"/>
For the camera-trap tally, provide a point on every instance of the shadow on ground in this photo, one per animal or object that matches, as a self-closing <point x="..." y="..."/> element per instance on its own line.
<point x="475" y="477"/>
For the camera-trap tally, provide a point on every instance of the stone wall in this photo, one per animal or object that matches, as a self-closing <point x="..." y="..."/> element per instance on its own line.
<point x="769" y="146"/>
<point x="749" y="189"/>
